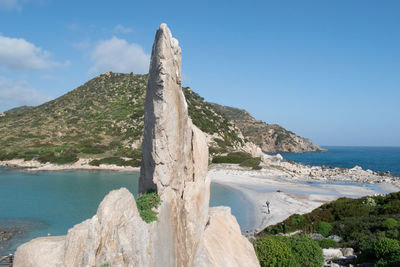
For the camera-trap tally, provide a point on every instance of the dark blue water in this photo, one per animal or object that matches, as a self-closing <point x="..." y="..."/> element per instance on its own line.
<point x="52" y="202"/>
<point x="374" y="158"/>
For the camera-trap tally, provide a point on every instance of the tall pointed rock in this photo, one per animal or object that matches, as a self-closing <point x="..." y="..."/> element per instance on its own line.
<point x="175" y="157"/>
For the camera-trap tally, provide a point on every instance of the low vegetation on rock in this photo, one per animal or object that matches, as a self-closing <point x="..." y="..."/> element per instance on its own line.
<point x="370" y="225"/>
<point x="146" y="204"/>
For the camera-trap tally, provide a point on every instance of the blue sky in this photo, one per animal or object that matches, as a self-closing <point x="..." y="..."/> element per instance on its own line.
<point x="326" y="70"/>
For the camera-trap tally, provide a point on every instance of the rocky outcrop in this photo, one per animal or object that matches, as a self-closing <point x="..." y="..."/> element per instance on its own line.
<point x="175" y="161"/>
<point x="270" y="138"/>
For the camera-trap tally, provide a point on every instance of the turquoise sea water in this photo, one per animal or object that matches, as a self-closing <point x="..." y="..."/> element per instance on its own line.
<point x="52" y="202"/>
<point x="374" y="158"/>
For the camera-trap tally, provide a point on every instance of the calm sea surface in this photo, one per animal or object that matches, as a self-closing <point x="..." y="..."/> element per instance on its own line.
<point x="374" y="158"/>
<point x="52" y="202"/>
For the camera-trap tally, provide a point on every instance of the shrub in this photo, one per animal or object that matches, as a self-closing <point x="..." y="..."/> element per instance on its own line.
<point x="306" y="251"/>
<point x="385" y="247"/>
<point x="115" y="161"/>
<point x="47" y="156"/>
<point x="296" y="219"/>
<point x="252" y="162"/>
<point x="390" y="223"/>
<point x="273" y="251"/>
<point x="327" y="243"/>
<point x="393" y="260"/>
<point x="146" y="203"/>
<point x="324" y="228"/>
<point x="233" y="157"/>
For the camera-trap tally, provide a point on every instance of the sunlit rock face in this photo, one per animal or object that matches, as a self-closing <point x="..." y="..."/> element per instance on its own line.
<point x="175" y="163"/>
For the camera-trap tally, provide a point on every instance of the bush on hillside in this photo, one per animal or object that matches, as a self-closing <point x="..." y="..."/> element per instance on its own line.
<point x="252" y="162"/>
<point x="385" y="247"/>
<point x="324" y="228"/>
<point x="393" y="260"/>
<point x="233" y="157"/>
<point x="273" y="251"/>
<point x="327" y="243"/>
<point x="306" y="251"/>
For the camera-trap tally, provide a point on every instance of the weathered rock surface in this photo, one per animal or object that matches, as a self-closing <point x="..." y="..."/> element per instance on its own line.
<point x="232" y="250"/>
<point x="175" y="161"/>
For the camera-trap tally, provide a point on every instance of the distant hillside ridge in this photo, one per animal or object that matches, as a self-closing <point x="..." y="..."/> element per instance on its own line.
<point x="270" y="138"/>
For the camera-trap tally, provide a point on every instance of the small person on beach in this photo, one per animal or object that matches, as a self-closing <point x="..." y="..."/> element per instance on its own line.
<point x="269" y="211"/>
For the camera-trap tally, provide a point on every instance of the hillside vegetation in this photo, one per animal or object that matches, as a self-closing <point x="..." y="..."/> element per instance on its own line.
<point x="370" y="225"/>
<point x="269" y="137"/>
<point x="101" y="119"/>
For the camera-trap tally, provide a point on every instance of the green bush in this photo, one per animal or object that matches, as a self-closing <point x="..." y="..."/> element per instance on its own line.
<point x="296" y="219"/>
<point x="385" y="246"/>
<point x="390" y="223"/>
<point x="273" y="251"/>
<point x="115" y="161"/>
<point x="233" y="157"/>
<point x="324" y="228"/>
<point x="146" y="203"/>
<point x="327" y="243"/>
<point x="252" y="162"/>
<point x="393" y="260"/>
<point x="306" y="251"/>
<point x="47" y="156"/>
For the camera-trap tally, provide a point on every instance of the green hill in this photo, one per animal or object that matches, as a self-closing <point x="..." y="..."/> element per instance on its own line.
<point x="101" y="119"/>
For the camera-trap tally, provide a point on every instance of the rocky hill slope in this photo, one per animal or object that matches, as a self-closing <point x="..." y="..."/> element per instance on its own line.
<point x="269" y="137"/>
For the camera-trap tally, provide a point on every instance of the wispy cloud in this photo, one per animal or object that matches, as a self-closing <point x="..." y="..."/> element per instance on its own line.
<point x="18" y="93"/>
<point x="120" y="56"/>
<point x="19" y="54"/>
<point x="10" y="4"/>
<point x="121" y="29"/>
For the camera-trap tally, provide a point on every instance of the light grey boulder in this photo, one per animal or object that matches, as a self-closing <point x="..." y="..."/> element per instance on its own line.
<point x="335" y="238"/>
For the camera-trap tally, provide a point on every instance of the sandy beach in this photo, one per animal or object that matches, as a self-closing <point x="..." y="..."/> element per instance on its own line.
<point x="288" y="196"/>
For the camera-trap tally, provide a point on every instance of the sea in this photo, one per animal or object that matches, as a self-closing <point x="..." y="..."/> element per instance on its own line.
<point x="34" y="204"/>
<point x="379" y="159"/>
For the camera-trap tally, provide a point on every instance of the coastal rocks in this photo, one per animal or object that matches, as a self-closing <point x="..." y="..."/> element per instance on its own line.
<point x="339" y="256"/>
<point x="175" y="163"/>
<point x="232" y="251"/>
<point x="42" y="251"/>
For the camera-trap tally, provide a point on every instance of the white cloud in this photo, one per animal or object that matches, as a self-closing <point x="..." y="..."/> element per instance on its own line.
<point x="19" y="54"/>
<point x="18" y="93"/>
<point x="119" y="56"/>
<point x="121" y="29"/>
<point x="10" y="4"/>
